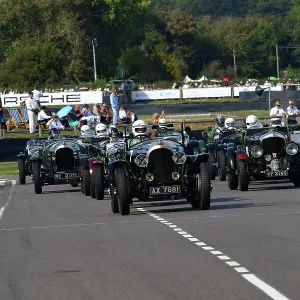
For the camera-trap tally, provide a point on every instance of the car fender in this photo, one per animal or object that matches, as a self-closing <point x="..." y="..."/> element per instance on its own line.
<point x="112" y="166"/>
<point x="192" y="146"/>
<point x="21" y="155"/>
<point x="84" y="161"/>
<point x="92" y="162"/>
<point x="194" y="161"/>
<point x="210" y="147"/>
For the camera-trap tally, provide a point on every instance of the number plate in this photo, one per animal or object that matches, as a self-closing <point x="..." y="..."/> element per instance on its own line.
<point x="160" y="190"/>
<point x="276" y="173"/>
<point x="65" y="176"/>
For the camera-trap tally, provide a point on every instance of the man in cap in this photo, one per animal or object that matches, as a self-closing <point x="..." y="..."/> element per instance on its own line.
<point x="33" y="109"/>
<point x="277" y="113"/>
<point x="292" y="112"/>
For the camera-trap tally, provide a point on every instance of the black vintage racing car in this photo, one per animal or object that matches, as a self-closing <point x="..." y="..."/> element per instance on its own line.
<point x="58" y="163"/>
<point x="266" y="153"/>
<point x="158" y="169"/>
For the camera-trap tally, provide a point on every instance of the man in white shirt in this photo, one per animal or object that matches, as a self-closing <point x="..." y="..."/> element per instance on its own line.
<point x="55" y="123"/>
<point x="42" y="116"/>
<point x="122" y="114"/>
<point x="292" y="112"/>
<point x="276" y="112"/>
<point x="37" y="94"/>
<point x="33" y="108"/>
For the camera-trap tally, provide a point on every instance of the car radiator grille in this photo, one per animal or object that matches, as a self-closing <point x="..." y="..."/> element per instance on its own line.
<point x="64" y="159"/>
<point x="273" y="145"/>
<point x="161" y="165"/>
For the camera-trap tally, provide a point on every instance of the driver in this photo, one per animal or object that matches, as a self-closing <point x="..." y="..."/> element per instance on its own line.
<point x="252" y="122"/>
<point x="162" y="127"/>
<point x="230" y="124"/>
<point x="139" y="131"/>
<point x="86" y="130"/>
<point x="219" y="126"/>
<point x="101" y="131"/>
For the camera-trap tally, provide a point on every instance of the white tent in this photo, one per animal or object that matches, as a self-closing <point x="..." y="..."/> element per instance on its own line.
<point x="203" y="78"/>
<point x="187" y="79"/>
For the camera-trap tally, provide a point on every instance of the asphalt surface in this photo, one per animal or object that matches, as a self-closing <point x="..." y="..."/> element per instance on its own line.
<point x="62" y="245"/>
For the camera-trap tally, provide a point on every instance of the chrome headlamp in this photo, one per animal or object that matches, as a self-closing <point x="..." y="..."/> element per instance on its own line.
<point x="141" y="160"/>
<point x="292" y="149"/>
<point x="179" y="158"/>
<point x="256" y="151"/>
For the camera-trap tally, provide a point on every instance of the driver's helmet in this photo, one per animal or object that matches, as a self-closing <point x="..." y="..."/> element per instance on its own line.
<point x="86" y="130"/>
<point x="113" y="132"/>
<point x="252" y="122"/>
<point x="220" y="120"/>
<point x="101" y="130"/>
<point x="53" y="134"/>
<point x="139" y="128"/>
<point x="229" y="123"/>
<point x="162" y="124"/>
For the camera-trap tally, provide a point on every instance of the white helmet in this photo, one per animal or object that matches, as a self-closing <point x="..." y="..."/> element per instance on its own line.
<point x="85" y="130"/>
<point x="252" y="122"/>
<point x="229" y="123"/>
<point x="162" y="123"/>
<point x="139" y="128"/>
<point x="101" y="130"/>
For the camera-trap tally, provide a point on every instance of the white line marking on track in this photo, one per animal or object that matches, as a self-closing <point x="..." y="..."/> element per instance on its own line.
<point x="267" y="289"/>
<point x="232" y="263"/>
<point x="224" y="257"/>
<point x="13" y="183"/>
<point x="270" y="291"/>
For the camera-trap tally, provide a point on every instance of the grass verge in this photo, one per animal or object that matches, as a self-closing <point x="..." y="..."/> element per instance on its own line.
<point x="8" y="168"/>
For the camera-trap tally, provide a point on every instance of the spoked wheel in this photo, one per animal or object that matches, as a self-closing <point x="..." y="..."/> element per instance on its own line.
<point x="221" y="165"/>
<point x="37" y="180"/>
<point x="99" y="182"/>
<point x="233" y="181"/>
<point x="243" y="175"/>
<point x="203" y="189"/>
<point x="122" y="192"/>
<point x="86" y="182"/>
<point x="21" y="170"/>
<point x="212" y="166"/>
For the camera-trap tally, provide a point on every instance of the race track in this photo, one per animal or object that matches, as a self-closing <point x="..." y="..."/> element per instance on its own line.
<point x="62" y="245"/>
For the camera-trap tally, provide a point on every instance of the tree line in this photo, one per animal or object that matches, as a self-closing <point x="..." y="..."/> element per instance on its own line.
<point x="49" y="42"/>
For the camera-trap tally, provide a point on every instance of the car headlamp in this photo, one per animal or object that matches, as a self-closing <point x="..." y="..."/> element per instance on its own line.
<point x="268" y="157"/>
<point x="292" y="149"/>
<point x="141" y="160"/>
<point x="256" y="151"/>
<point x="179" y="158"/>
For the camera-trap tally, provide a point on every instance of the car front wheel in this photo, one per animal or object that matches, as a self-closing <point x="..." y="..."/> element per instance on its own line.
<point x="122" y="192"/>
<point x="21" y="170"/>
<point x="36" y="173"/>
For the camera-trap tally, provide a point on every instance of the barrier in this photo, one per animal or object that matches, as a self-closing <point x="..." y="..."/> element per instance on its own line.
<point x="156" y="95"/>
<point x="48" y="99"/>
<point x="237" y="90"/>
<point x="206" y="92"/>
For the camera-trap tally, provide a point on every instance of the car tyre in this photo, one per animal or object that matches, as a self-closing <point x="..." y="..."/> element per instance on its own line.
<point x="36" y="173"/>
<point x="233" y="181"/>
<point x="122" y="192"/>
<point x="243" y="175"/>
<point x="86" y="182"/>
<point x="114" y="200"/>
<point x="99" y="182"/>
<point x="21" y="170"/>
<point x="92" y="187"/>
<point x="221" y="165"/>
<point x="212" y="166"/>
<point x="202" y="197"/>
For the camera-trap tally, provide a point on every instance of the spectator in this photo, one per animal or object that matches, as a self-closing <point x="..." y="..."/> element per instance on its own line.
<point x="106" y="114"/>
<point x="133" y="117"/>
<point x="32" y="107"/>
<point x="276" y="111"/>
<point x="87" y="111"/>
<point x="292" y="112"/>
<point x="123" y="115"/>
<point x="114" y="102"/>
<point x="155" y="118"/>
<point x="75" y="114"/>
<point x="42" y="116"/>
<point x="97" y="109"/>
<point x="37" y="94"/>
<point x="55" y="123"/>
<point x="163" y="115"/>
